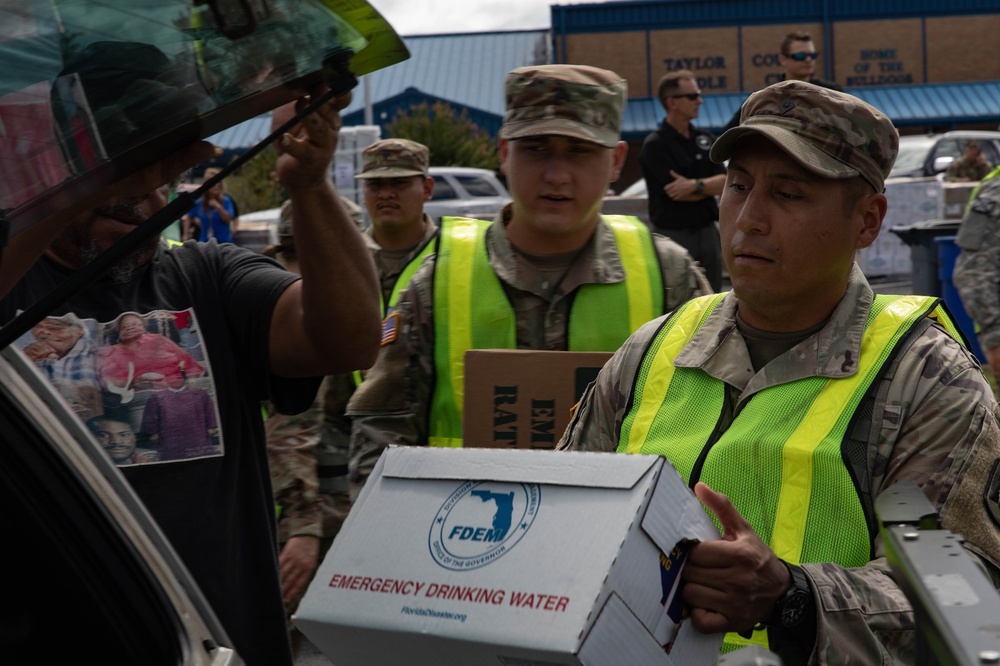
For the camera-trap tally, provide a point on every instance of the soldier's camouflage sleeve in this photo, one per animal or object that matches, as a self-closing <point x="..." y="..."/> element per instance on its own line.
<point x="391" y="405"/>
<point x="683" y="278"/>
<point x="291" y="455"/>
<point x="977" y="270"/>
<point x="332" y="453"/>
<point x="935" y="423"/>
<point x="938" y="429"/>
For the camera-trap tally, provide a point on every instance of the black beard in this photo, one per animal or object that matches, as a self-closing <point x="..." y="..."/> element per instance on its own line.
<point x="122" y="272"/>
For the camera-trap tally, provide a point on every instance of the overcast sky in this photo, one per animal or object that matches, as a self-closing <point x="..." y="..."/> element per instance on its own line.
<point x="428" y="17"/>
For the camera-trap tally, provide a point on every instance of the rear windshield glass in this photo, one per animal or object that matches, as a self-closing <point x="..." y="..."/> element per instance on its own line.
<point x="477" y="186"/>
<point x="94" y="89"/>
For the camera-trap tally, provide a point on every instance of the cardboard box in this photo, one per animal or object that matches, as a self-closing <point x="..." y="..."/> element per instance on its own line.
<point x="521" y="399"/>
<point x="956" y="196"/>
<point x="485" y="556"/>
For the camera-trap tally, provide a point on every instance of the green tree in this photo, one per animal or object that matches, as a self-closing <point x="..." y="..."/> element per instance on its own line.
<point x="452" y="138"/>
<point x="254" y="186"/>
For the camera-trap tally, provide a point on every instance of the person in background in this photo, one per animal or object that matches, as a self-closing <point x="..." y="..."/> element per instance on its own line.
<point x="214" y="215"/>
<point x="971" y="167"/>
<point x="307" y="521"/>
<point x="681" y="181"/>
<point x="791" y="402"/>
<point x="797" y="55"/>
<point x="544" y="274"/>
<point x="308" y="452"/>
<point x="977" y="270"/>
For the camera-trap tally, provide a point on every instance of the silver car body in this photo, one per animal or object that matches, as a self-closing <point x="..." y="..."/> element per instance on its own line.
<point x="465" y="192"/>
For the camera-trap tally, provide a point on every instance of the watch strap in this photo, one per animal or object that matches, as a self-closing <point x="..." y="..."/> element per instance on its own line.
<point x="799" y="595"/>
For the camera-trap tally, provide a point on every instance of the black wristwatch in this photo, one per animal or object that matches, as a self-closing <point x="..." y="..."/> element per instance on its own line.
<point x="796" y="605"/>
<point x="699" y="186"/>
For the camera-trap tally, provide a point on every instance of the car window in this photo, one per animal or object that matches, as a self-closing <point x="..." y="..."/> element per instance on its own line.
<point x="989" y="150"/>
<point x="477" y="186"/>
<point x="443" y="189"/>
<point x="947" y="148"/>
<point x="912" y="154"/>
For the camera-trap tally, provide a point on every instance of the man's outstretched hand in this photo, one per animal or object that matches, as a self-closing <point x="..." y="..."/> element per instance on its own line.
<point x="732" y="583"/>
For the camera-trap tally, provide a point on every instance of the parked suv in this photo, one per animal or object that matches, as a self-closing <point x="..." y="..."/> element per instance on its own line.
<point x="931" y="154"/>
<point x="465" y="192"/>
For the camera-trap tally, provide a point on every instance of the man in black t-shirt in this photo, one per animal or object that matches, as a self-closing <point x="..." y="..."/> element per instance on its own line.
<point x="259" y="331"/>
<point x="797" y="56"/>
<point x="681" y="180"/>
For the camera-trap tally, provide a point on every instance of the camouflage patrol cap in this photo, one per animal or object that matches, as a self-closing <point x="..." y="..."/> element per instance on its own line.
<point x="831" y="133"/>
<point x="567" y="100"/>
<point x="394" y="158"/>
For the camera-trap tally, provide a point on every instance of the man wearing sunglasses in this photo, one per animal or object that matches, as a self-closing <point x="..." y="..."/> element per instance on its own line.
<point x="681" y="180"/>
<point x="798" y="56"/>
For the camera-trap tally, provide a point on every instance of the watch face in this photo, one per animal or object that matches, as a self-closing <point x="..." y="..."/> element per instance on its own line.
<point x="794" y="609"/>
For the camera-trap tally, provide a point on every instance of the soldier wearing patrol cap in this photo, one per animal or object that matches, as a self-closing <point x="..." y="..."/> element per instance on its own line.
<point x="396" y="184"/>
<point x="549" y="272"/>
<point x="307" y="452"/>
<point x="791" y="402"/>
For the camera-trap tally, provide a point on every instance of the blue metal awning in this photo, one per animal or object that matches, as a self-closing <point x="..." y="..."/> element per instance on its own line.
<point x="940" y="105"/>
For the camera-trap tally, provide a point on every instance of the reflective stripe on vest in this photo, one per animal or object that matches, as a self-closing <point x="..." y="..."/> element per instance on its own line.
<point x="622" y="307"/>
<point x="402" y="280"/>
<point x="789" y="435"/>
<point x="471" y="309"/>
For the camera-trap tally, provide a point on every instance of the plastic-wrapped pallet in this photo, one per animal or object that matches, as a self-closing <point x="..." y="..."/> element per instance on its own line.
<point x="911" y="200"/>
<point x="347" y="161"/>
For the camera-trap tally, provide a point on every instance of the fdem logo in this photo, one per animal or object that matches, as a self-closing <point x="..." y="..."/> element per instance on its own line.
<point x="482" y="521"/>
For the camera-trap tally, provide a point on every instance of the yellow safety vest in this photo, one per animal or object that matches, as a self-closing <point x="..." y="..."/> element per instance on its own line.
<point x="471" y="309"/>
<point x="780" y="459"/>
<point x="398" y="286"/>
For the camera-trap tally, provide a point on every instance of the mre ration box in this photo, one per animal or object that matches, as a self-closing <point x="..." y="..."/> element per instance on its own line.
<point x="523" y="399"/>
<point x="509" y="557"/>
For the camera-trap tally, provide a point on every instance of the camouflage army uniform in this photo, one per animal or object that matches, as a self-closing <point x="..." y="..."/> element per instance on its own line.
<point x="340" y="388"/>
<point x="390" y="266"/>
<point x="930" y="418"/>
<point x="291" y="455"/>
<point x="965" y="169"/>
<point x="935" y="423"/>
<point x="977" y="270"/>
<point x="391" y="406"/>
<point x="291" y="459"/>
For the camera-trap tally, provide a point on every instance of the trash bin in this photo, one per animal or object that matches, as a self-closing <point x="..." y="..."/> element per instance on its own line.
<point x="924" y="252"/>
<point x="947" y="255"/>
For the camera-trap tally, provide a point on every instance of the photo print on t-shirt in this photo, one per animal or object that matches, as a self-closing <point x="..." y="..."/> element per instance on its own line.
<point x="141" y="383"/>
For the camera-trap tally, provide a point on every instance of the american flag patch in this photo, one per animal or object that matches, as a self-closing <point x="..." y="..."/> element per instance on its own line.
<point x="390" y="327"/>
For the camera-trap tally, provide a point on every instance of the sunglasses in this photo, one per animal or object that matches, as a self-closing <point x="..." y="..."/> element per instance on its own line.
<point x="802" y="56"/>
<point x="690" y="96"/>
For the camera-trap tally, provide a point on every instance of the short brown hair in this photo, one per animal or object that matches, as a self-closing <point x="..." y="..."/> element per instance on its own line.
<point x="797" y="36"/>
<point x="670" y="82"/>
